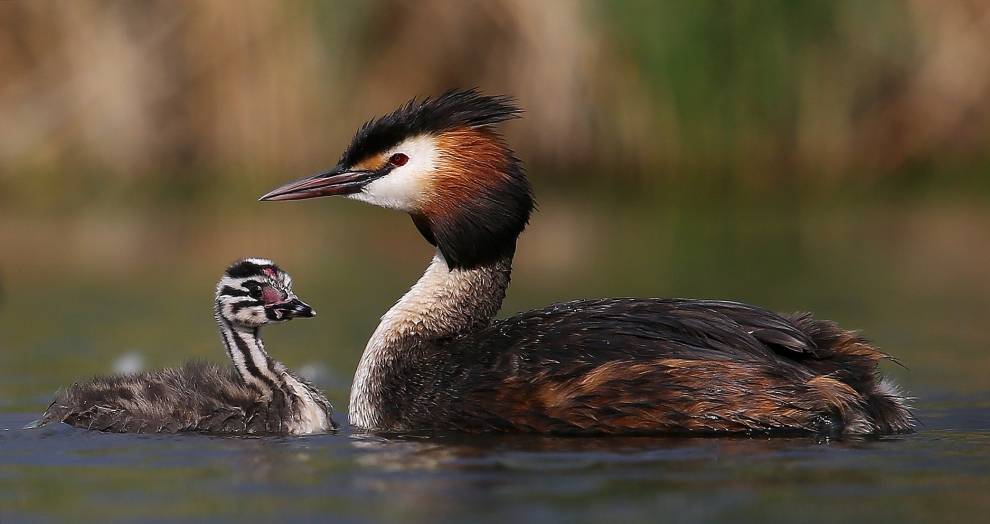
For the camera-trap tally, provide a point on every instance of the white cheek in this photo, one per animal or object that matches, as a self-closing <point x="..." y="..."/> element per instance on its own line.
<point x="394" y="191"/>
<point x="403" y="188"/>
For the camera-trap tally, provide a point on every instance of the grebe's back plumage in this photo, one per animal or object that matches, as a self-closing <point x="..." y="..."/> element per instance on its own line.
<point x="438" y="360"/>
<point x="629" y="366"/>
<point x="258" y="395"/>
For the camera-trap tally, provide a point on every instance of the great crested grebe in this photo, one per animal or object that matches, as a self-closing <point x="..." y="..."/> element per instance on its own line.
<point x="438" y="361"/>
<point x="257" y="396"/>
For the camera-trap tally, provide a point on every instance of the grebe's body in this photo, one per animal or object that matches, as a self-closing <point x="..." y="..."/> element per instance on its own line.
<point x="438" y="360"/>
<point x="257" y="396"/>
<point x="612" y="366"/>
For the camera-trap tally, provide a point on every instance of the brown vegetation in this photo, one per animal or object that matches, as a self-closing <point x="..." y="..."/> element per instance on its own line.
<point x="164" y="87"/>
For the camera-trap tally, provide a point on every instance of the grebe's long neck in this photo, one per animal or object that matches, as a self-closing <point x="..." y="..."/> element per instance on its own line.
<point x="441" y="304"/>
<point x="259" y="370"/>
<point x="248" y="354"/>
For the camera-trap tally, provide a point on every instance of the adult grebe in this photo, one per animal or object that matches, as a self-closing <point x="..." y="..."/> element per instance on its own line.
<point x="622" y="366"/>
<point x="258" y="396"/>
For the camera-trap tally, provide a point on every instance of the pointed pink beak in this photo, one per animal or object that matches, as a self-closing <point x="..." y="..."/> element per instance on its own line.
<point x="339" y="181"/>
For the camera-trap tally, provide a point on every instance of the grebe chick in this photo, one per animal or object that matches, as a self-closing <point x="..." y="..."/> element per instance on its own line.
<point x="257" y="396"/>
<point x="438" y="361"/>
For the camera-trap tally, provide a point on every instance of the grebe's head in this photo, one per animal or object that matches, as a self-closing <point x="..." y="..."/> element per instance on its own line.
<point x="254" y="292"/>
<point x="440" y="160"/>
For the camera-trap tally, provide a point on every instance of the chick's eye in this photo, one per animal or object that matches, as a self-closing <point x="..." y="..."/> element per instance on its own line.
<point x="398" y="159"/>
<point x="254" y="289"/>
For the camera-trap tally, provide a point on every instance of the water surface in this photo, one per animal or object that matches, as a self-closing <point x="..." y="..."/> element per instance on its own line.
<point x="126" y="294"/>
<point x="59" y="473"/>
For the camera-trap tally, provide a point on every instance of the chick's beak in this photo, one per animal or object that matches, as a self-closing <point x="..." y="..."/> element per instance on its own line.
<point x="339" y="181"/>
<point x="294" y="308"/>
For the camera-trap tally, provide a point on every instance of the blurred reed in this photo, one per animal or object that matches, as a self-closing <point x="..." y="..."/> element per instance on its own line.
<point x="628" y="92"/>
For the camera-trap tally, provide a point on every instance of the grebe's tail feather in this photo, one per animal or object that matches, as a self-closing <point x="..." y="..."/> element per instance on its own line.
<point x="890" y="408"/>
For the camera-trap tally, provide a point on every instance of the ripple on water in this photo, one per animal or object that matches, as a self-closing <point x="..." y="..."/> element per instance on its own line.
<point x="58" y="472"/>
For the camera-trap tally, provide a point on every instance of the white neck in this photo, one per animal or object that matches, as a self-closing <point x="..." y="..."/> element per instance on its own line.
<point x="260" y="371"/>
<point x="442" y="303"/>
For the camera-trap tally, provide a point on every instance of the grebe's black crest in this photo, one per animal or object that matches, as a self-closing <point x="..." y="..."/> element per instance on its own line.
<point x="451" y="110"/>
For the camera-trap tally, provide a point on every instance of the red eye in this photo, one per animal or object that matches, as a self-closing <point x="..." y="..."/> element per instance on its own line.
<point x="398" y="159"/>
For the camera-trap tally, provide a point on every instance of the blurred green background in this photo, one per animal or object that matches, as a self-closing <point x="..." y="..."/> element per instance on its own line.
<point x="816" y="155"/>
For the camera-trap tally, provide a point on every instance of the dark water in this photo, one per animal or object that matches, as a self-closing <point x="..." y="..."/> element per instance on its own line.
<point x="915" y="279"/>
<point x="58" y="473"/>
